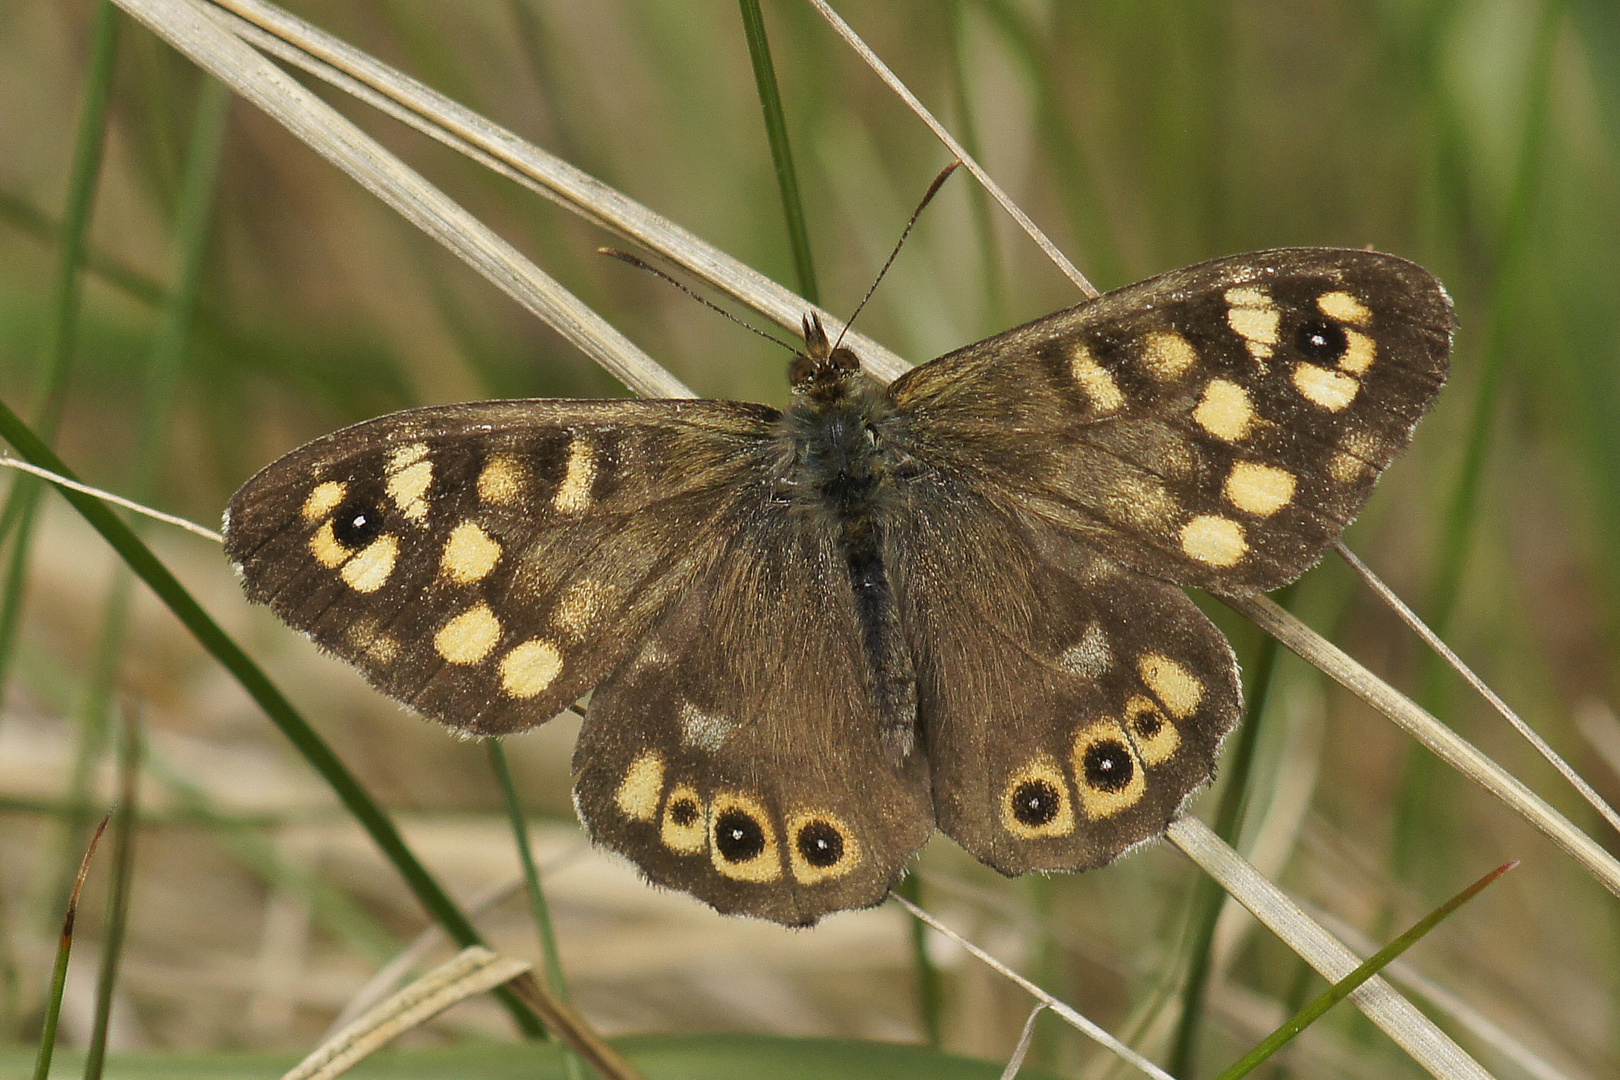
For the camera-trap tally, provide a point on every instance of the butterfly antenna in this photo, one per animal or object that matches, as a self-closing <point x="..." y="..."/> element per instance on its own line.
<point x="933" y="189"/>
<point x="642" y="264"/>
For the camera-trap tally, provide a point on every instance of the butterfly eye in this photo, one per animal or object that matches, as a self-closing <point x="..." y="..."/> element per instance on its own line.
<point x="738" y="837"/>
<point x="357" y="522"/>
<point x="1036" y="802"/>
<point x="820" y="844"/>
<point x="1108" y="766"/>
<point x="1321" y="340"/>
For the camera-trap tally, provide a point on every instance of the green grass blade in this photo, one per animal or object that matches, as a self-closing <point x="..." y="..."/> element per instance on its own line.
<point x="125" y="822"/>
<point x="1347" y="985"/>
<point x="787" y="178"/>
<point x="1208" y="896"/>
<point x="64" y="949"/>
<point x="88" y="151"/>
<point x="551" y="959"/>
<point x="139" y="558"/>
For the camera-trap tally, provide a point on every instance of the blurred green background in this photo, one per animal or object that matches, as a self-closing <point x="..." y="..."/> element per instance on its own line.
<point x="1479" y="138"/>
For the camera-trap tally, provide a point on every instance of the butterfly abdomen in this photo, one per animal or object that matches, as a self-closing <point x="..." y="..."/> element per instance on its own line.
<point x="841" y="477"/>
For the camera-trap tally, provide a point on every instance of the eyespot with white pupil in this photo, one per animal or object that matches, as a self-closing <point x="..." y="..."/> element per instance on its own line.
<point x="1036" y="802"/>
<point x="1108" y="766"/>
<point x="738" y="837"/>
<point x="357" y="522"/>
<point x="1321" y="340"/>
<point x="820" y="844"/>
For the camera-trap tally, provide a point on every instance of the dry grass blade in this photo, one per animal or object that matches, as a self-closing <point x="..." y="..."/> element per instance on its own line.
<point x="1451" y="747"/>
<point x="469" y="972"/>
<point x="1432" y="640"/>
<point x="438" y="117"/>
<point x="1075" y="1019"/>
<point x="188" y="26"/>
<point x="117" y="500"/>
<point x="892" y="80"/>
<point x="1400" y="1020"/>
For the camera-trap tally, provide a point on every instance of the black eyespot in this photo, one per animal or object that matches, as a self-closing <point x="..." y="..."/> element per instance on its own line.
<point x="683" y="812"/>
<point x="1035" y="802"/>
<point x="820" y="844"/>
<point x="1109" y="766"/>
<point x="738" y="836"/>
<point x="357" y="522"/>
<point x="1147" y="723"/>
<point x="1321" y="340"/>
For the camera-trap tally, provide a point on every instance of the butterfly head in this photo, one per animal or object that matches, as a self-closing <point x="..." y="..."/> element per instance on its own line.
<point x="824" y="368"/>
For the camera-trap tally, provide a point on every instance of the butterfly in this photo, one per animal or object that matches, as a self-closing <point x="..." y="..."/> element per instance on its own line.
<point x="812" y="637"/>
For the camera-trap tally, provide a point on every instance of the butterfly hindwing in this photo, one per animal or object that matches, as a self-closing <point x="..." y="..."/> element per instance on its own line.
<point x="488" y="563"/>
<point x="737" y="754"/>
<point x="1216" y="426"/>
<point x="1070" y="705"/>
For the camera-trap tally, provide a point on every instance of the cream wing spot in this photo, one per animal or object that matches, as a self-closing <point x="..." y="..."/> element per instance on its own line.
<point x="369" y="571"/>
<point x="1259" y="489"/>
<point x="1035" y="801"/>
<point x="685" y="827"/>
<point x="1170" y="682"/>
<point x="1344" y="307"/>
<point x="1255" y="318"/>
<point x="530" y="668"/>
<point x="469" y="637"/>
<point x="574" y="493"/>
<point x="1095" y="380"/>
<point x="821" y="847"/>
<point x="326" y="549"/>
<point x="1167" y="355"/>
<point x="410" y="476"/>
<point x="326" y="497"/>
<point x="1107" y="773"/>
<point x="581" y="605"/>
<point x="469" y="555"/>
<point x="502" y="479"/>
<point x="1359" y="352"/>
<point x="641" y="787"/>
<point x="1141" y="502"/>
<point x="742" y="841"/>
<point x="1332" y="390"/>
<point x="1090" y="657"/>
<point x="1217" y="541"/>
<point x="1155" y="737"/>
<point x="704" y="730"/>
<point x="1225" y="411"/>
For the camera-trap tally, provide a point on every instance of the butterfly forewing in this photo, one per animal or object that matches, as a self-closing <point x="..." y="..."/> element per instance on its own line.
<point x="488" y="563"/>
<point x="738" y="754"/>
<point x="1216" y="426"/>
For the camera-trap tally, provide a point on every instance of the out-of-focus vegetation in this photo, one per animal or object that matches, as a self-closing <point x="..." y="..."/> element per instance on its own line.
<point x="1480" y="138"/>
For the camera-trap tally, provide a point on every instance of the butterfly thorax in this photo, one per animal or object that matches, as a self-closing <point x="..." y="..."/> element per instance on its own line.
<point x="837" y="475"/>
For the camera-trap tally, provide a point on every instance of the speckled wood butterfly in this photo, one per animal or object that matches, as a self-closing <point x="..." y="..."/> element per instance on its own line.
<point x="816" y="636"/>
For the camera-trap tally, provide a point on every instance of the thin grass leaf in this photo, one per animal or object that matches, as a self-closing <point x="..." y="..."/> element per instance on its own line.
<point x="1345" y="986"/>
<point x="126" y="821"/>
<point x="787" y="179"/>
<point x="64" y="949"/>
<point x="1451" y="747"/>
<point x="190" y="28"/>
<point x="1208" y="898"/>
<point x="471" y="971"/>
<point x="1075" y="1019"/>
<point x="1415" y="1033"/>
<point x="139" y="558"/>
